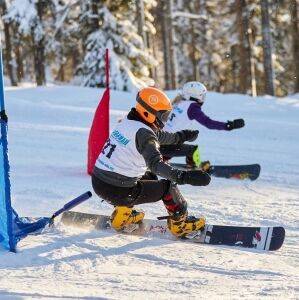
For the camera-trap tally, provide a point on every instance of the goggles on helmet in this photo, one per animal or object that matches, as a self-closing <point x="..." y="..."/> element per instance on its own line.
<point x="161" y="115"/>
<point x="202" y="100"/>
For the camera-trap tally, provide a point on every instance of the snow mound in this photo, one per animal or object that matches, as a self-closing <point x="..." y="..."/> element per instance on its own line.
<point x="48" y="129"/>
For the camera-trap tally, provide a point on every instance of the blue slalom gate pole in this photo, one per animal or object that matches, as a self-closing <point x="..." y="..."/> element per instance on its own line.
<point x="72" y="204"/>
<point x="7" y="237"/>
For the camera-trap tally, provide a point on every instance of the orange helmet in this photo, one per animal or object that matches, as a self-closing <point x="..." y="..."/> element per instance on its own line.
<point x="153" y="106"/>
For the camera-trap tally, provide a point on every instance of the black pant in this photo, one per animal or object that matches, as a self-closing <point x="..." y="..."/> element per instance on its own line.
<point x="169" y="151"/>
<point x="145" y="191"/>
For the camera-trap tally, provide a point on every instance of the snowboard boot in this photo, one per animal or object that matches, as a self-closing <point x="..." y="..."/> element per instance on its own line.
<point x="205" y="166"/>
<point x="124" y="216"/>
<point x="178" y="222"/>
<point x="181" y="225"/>
<point x="193" y="159"/>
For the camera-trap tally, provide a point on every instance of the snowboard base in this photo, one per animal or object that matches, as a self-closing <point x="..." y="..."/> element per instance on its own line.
<point x="260" y="238"/>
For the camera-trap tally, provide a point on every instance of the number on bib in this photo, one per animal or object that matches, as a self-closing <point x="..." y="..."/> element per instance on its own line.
<point x="107" y="145"/>
<point x="172" y="116"/>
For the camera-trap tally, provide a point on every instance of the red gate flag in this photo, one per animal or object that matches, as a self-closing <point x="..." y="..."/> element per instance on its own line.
<point x="99" y="131"/>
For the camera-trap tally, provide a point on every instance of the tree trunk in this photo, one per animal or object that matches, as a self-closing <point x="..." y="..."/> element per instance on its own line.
<point x="152" y="44"/>
<point x="195" y="41"/>
<point x="146" y="38"/>
<point x="141" y="21"/>
<point x="267" y="49"/>
<point x="39" y="62"/>
<point x="234" y="59"/>
<point x="58" y="37"/>
<point x="252" y="64"/>
<point x="75" y="60"/>
<point x="166" y="47"/>
<point x="95" y="16"/>
<point x="8" y="48"/>
<point x="194" y="54"/>
<point x="61" y="74"/>
<point x="205" y="55"/>
<point x="39" y="47"/>
<point x="244" y="51"/>
<point x="19" y="59"/>
<point x="171" y="37"/>
<point x="295" y="33"/>
<point x="61" y="63"/>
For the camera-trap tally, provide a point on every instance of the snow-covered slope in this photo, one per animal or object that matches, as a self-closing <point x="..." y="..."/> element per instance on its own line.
<point x="48" y="130"/>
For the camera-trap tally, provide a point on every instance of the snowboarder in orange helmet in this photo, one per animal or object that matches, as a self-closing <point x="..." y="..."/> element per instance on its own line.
<point x="126" y="171"/>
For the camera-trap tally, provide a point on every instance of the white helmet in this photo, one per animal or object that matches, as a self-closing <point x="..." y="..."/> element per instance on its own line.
<point x="194" y="90"/>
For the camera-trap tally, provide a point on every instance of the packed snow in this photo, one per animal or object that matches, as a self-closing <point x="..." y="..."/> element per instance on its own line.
<point x="48" y="130"/>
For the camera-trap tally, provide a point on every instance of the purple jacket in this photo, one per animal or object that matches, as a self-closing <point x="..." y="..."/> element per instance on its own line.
<point x="195" y="113"/>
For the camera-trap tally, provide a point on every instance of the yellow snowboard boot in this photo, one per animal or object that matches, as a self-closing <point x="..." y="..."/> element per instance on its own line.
<point x="205" y="166"/>
<point x="183" y="224"/>
<point x="123" y="216"/>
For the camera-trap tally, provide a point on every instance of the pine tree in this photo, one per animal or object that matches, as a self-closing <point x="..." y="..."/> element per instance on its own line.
<point x="185" y="41"/>
<point x="27" y="16"/>
<point x="129" y="59"/>
<point x="63" y="46"/>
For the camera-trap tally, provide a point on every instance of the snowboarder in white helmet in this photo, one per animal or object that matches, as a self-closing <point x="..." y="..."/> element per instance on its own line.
<point x="194" y="91"/>
<point x="120" y="176"/>
<point x="187" y="109"/>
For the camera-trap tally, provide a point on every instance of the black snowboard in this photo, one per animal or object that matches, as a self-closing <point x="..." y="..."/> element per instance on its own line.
<point x="241" y="172"/>
<point x="261" y="238"/>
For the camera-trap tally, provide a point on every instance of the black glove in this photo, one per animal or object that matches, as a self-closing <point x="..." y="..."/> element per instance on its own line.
<point x="193" y="177"/>
<point x="188" y="135"/>
<point x="235" y="124"/>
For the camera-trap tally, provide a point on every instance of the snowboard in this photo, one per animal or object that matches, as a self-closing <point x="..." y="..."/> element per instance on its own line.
<point x="260" y="238"/>
<point x="241" y="172"/>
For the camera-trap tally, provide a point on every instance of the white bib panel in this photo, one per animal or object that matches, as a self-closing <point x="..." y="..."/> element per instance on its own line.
<point x="178" y="119"/>
<point x="119" y="153"/>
